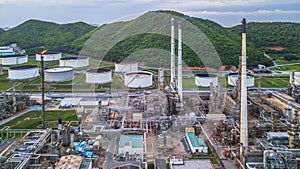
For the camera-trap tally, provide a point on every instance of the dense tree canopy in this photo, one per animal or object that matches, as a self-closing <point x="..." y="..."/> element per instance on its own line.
<point x="70" y="38"/>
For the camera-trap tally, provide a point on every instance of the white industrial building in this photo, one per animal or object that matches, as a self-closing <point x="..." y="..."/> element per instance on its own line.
<point x="98" y="76"/>
<point x="49" y="56"/>
<point x="204" y="80"/>
<point x="233" y="77"/>
<point x="23" y="72"/>
<point x="197" y="145"/>
<point x="69" y="102"/>
<point x="130" y="145"/>
<point x="59" y="74"/>
<point x="126" y="66"/>
<point x="139" y="79"/>
<point x="6" y="50"/>
<point x="13" y="59"/>
<point x="74" y="61"/>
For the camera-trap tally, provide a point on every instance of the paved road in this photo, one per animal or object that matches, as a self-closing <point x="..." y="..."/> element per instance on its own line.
<point x="36" y="107"/>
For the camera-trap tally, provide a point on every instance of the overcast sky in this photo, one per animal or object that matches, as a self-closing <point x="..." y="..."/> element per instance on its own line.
<point x="224" y="12"/>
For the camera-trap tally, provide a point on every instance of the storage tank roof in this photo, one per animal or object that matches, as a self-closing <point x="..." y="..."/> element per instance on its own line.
<point x="11" y="56"/>
<point x="124" y="62"/>
<point x="74" y="58"/>
<point x="23" y="67"/>
<point x="59" y="69"/>
<point x="98" y="70"/>
<point x="138" y="73"/>
<point x="205" y="75"/>
<point x="236" y="74"/>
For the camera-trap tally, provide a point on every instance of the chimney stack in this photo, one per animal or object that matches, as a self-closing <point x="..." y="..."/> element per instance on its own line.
<point x="244" y="113"/>
<point x="180" y="60"/>
<point x="172" y="81"/>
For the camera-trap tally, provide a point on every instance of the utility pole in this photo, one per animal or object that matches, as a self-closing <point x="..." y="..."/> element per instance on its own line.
<point x="43" y="88"/>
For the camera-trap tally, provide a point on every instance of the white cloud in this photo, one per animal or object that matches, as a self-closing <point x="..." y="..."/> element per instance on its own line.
<point x="258" y="12"/>
<point x="176" y="4"/>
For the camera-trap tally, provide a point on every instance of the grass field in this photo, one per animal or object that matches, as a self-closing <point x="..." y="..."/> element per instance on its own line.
<point x="32" y="119"/>
<point x="266" y="82"/>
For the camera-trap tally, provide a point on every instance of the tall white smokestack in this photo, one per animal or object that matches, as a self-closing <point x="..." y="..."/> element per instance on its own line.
<point x="180" y="60"/>
<point x="172" y="81"/>
<point x="244" y="113"/>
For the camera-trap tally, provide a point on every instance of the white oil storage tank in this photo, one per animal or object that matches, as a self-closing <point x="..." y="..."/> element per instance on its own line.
<point x="126" y="66"/>
<point x="233" y="77"/>
<point x="204" y="79"/>
<point x="138" y="79"/>
<point x="59" y="74"/>
<point x="48" y="56"/>
<point x="23" y="72"/>
<point x="98" y="76"/>
<point x="13" y="59"/>
<point x="74" y="61"/>
<point x="296" y="77"/>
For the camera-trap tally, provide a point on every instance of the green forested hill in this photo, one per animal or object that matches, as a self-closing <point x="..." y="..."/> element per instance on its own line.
<point x="70" y="38"/>
<point x="266" y="35"/>
<point x="1" y="31"/>
<point x="35" y="33"/>
<point x="226" y="43"/>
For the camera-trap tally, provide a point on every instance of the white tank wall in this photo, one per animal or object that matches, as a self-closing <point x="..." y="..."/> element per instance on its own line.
<point x="205" y="81"/>
<point x="20" y="74"/>
<point x="76" y="63"/>
<point x="126" y="67"/>
<point x="232" y="79"/>
<point x="14" y="60"/>
<point x="296" y="78"/>
<point x="98" y="78"/>
<point x="138" y="80"/>
<point x="59" y="76"/>
<point x="48" y="57"/>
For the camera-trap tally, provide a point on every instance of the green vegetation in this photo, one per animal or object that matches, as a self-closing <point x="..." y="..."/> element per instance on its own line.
<point x="214" y="161"/>
<point x="1" y="31"/>
<point x="295" y="67"/>
<point x="32" y="119"/>
<point x="278" y="39"/>
<point x="70" y="38"/>
<point x="34" y="33"/>
<point x="150" y="166"/>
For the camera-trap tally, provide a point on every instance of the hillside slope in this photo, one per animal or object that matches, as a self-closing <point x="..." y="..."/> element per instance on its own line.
<point x="78" y="38"/>
<point x="34" y="33"/>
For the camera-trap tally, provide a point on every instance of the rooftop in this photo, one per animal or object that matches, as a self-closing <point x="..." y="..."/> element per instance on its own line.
<point x="196" y="142"/>
<point x="23" y="67"/>
<point x="74" y="58"/>
<point x="59" y="69"/>
<point x="98" y="70"/>
<point x="12" y="56"/>
<point x="69" y="161"/>
<point x="136" y="141"/>
<point x="194" y="164"/>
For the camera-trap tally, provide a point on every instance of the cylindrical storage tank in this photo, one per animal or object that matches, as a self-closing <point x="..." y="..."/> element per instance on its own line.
<point x="233" y="77"/>
<point x="23" y="72"/>
<point x="98" y="76"/>
<point x="59" y="74"/>
<point x="138" y="79"/>
<point x="74" y="61"/>
<point x="126" y="66"/>
<point x="49" y="56"/>
<point x="205" y="79"/>
<point x="13" y="59"/>
<point x="296" y="78"/>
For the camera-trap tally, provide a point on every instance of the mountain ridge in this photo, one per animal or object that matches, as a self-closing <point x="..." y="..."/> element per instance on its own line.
<point x="71" y="38"/>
